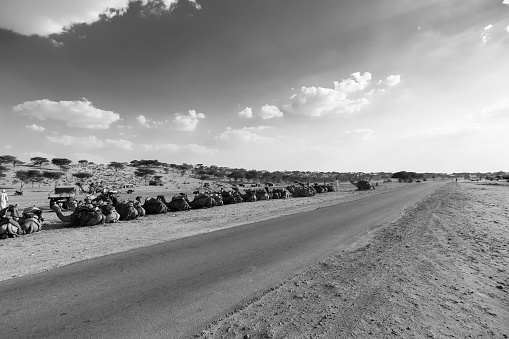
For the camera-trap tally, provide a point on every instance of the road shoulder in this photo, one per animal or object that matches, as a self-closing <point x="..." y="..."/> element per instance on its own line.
<point x="438" y="271"/>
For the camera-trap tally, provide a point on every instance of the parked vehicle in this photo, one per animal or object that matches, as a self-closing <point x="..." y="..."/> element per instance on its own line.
<point x="63" y="195"/>
<point x="127" y="188"/>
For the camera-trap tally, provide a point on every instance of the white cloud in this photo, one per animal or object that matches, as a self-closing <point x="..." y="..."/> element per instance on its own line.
<point x="34" y="127"/>
<point x="257" y="128"/>
<point x="143" y="121"/>
<point x="507" y="29"/>
<point x="187" y="122"/>
<point x="269" y="112"/>
<point x="485" y="35"/>
<point x="357" y="82"/>
<point x="56" y="43"/>
<point x="393" y="80"/>
<point x="150" y="123"/>
<point x="365" y="134"/>
<point x="86" y="142"/>
<point x="244" y="134"/>
<point x="29" y="17"/>
<point x="318" y="101"/>
<point x="120" y="143"/>
<point x="505" y="2"/>
<point x="77" y="113"/>
<point x="173" y="148"/>
<point x="497" y="109"/>
<point x="89" y="142"/>
<point x="246" y="112"/>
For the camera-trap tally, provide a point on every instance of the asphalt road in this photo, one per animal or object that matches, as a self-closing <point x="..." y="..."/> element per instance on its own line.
<point x="174" y="289"/>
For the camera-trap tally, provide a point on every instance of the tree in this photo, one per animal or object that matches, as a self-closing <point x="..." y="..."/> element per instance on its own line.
<point x="116" y="165"/>
<point x="83" y="162"/>
<point x="39" y="161"/>
<point x="144" y="172"/>
<point x="81" y="176"/>
<point x="3" y="169"/>
<point x="236" y="175"/>
<point x="9" y="159"/>
<point x="30" y="176"/>
<point x="61" y="162"/>
<point x="55" y="176"/>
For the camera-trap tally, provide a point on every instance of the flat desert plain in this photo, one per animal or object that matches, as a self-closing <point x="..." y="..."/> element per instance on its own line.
<point x="440" y="270"/>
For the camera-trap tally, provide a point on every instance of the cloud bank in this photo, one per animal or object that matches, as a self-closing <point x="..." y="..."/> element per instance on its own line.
<point x="79" y="113"/>
<point x="318" y="101"/>
<point x="245" y="134"/>
<point x="497" y="109"/>
<point x="90" y="141"/>
<point x="36" y="17"/>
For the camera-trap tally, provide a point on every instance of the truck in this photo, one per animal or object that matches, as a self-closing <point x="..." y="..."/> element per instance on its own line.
<point x="63" y="195"/>
<point x="66" y="194"/>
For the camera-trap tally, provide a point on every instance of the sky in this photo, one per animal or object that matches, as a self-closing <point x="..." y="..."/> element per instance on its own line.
<point x="322" y="85"/>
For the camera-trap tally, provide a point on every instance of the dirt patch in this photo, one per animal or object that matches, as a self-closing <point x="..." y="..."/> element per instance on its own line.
<point x="439" y="271"/>
<point x="57" y="245"/>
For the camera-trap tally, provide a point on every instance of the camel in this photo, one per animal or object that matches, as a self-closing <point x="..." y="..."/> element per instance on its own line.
<point x="319" y="188"/>
<point x="31" y="220"/>
<point x="231" y="197"/>
<point x="262" y="194"/>
<point x="249" y="195"/>
<point x="85" y="215"/>
<point x="205" y="200"/>
<point x="139" y="207"/>
<point x="179" y="202"/>
<point x="9" y="226"/>
<point x="110" y="214"/>
<point x="127" y="210"/>
<point x="301" y="191"/>
<point x="280" y="193"/>
<point x="362" y="185"/>
<point x="155" y="206"/>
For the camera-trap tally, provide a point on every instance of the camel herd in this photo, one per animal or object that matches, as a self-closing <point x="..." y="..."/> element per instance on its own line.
<point x="106" y="208"/>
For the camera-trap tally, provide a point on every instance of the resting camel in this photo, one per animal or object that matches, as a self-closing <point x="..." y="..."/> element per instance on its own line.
<point x="362" y="185"/>
<point x="9" y="226"/>
<point x="127" y="210"/>
<point x="139" y="207"/>
<point x="110" y="214"/>
<point x="179" y="202"/>
<point x="85" y="215"/>
<point x="31" y="220"/>
<point x="249" y="196"/>
<point x="262" y="194"/>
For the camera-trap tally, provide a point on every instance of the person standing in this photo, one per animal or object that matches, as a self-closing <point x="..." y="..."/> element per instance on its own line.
<point x="3" y="200"/>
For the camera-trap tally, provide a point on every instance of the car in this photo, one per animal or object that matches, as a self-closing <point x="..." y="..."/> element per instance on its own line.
<point x="126" y="188"/>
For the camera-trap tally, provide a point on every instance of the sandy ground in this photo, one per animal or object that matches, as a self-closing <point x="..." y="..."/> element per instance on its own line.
<point x="440" y="271"/>
<point x="57" y="245"/>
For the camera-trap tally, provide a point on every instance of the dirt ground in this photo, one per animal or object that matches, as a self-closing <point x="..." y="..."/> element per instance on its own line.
<point x="57" y="245"/>
<point x="440" y="271"/>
